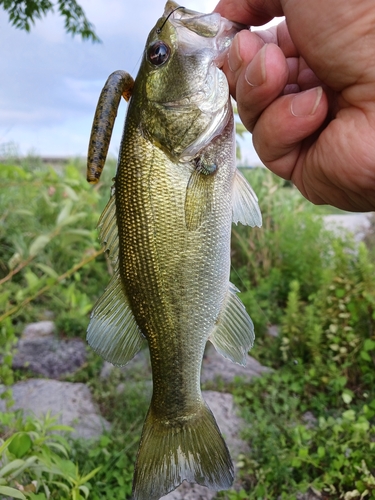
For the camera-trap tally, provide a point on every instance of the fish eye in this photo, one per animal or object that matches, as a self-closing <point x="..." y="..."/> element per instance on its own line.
<point x="158" y="53"/>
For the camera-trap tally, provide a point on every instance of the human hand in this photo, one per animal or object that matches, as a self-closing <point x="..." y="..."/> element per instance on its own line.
<point x="306" y="91"/>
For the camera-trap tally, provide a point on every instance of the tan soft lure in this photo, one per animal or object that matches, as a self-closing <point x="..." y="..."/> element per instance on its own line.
<point x="167" y="231"/>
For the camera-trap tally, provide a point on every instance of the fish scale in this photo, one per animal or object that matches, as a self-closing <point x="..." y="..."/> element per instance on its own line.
<point x="167" y="229"/>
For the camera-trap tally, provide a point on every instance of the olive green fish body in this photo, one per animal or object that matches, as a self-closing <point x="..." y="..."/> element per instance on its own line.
<point x="176" y="279"/>
<point x="167" y="231"/>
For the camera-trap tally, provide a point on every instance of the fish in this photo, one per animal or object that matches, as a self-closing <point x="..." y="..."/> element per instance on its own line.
<point x="167" y="231"/>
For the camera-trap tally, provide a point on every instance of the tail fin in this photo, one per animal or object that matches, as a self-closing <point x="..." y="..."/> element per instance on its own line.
<point x="170" y="452"/>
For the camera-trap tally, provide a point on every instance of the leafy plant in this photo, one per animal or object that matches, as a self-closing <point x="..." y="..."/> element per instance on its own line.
<point x="35" y="462"/>
<point x="47" y="238"/>
<point x="24" y="13"/>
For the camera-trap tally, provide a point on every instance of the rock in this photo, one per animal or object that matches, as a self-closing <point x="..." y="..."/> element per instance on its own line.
<point x="37" y="330"/>
<point x="222" y="406"/>
<point x="73" y="403"/>
<point x="49" y="356"/>
<point x="358" y="223"/>
<point x="230" y="424"/>
<point x="139" y="368"/>
<point x="187" y="491"/>
<point x="273" y="330"/>
<point x="309" y="419"/>
<point x="311" y="494"/>
<point x="216" y="367"/>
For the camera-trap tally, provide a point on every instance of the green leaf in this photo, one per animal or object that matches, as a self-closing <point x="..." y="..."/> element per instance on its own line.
<point x="91" y="474"/>
<point x="349" y="415"/>
<point x="85" y="490"/>
<point x="67" y="467"/>
<point x="296" y="462"/>
<point x="31" y="278"/>
<point x="38" y="244"/>
<point x="59" y="447"/>
<point x="365" y="356"/>
<point x="20" y="445"/>
<point x="11" y="466"/>
<point x="68" y="191"/>
<point x="11" y="492"/>
<point x="71" y="219"/>
<point x="64" y="213"/>
<point x="303" y="452"/>
<point x="61" y="485"/>
<point x="47" y="270"/>
<point x="347" y="398"/>
<point x="369" y="345"/>
<point x="60" y="427"/>
<point x="37" y="496"/>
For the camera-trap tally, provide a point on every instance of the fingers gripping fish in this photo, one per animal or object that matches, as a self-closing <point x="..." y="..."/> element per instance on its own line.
<point x="167" y="230"/>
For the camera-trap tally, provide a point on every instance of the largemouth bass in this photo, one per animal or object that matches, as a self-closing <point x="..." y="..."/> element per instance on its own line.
<point x="167" y="229"/>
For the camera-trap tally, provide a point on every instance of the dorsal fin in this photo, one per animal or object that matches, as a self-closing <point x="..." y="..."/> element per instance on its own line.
<point x="113" y="332"/>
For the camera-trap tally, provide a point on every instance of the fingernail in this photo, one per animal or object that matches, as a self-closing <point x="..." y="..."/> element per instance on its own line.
<point x="306" y="103"/>
<point x="255" y="74"/>
<point x="234" y="58"/>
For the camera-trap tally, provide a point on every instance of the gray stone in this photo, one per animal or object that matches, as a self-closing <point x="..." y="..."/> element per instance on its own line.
<point x="230" y="424"/>
<point x="311" y="494"/>
<point x="71" y="402"/>
<point x="216" y="367"/>
<point x="357" y="224"/>
<point x="187" y="491"/>
<point x="222" y="406"/>
<point x="139" y="368"/>
<point x="309" y="419"/>
<point x="50" y="356"/>
<point x="39" y="329"/>
<point x="273" y="330"/>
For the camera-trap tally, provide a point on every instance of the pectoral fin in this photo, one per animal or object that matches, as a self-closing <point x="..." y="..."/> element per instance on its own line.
<point x="245" y="203"/>
<point x="198" y="199"/>
<point x="233" y="336"/>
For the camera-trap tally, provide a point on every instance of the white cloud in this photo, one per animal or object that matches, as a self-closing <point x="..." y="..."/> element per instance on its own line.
<point x="50" y="82"/>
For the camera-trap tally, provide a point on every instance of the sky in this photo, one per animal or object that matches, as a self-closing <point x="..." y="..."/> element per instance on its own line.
<point x="50" y="82"/>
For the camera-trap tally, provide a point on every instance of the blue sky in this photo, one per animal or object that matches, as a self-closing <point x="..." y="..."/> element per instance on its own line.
<point x="50" y="82"/>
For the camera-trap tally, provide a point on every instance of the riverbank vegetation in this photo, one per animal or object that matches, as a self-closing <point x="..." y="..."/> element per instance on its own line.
<point x="310" y="422"/>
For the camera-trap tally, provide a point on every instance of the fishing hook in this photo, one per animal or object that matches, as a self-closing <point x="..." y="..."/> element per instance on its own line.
<point x="169" y="15"/>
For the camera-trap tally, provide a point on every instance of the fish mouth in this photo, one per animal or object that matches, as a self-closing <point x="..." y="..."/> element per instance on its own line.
<point x="219" y="29"/>
<point x="212" y="25"/>
<point x="215" y="35"/>
<point x="205" y="38"/>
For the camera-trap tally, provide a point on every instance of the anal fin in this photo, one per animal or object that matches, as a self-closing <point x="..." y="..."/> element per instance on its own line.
<point x="233" y="335"/>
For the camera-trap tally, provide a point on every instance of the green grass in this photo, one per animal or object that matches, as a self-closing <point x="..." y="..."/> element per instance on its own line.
<point x="310" y="422"/>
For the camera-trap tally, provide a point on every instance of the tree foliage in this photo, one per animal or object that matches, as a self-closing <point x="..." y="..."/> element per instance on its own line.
<point x="23" y="13"/>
